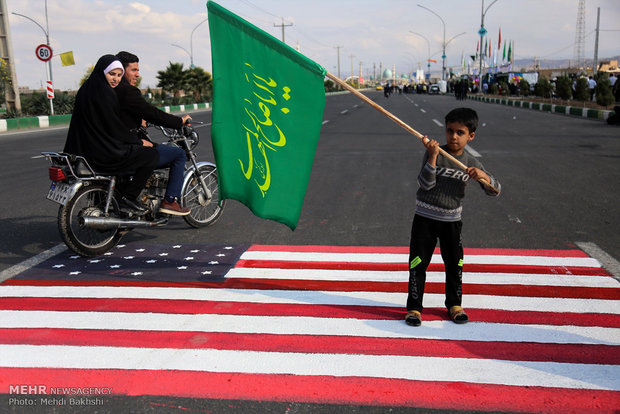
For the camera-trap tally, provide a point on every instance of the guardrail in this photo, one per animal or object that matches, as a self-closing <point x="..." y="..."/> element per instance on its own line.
<point x="547" y="107"/>
<point x="46" y="121"/>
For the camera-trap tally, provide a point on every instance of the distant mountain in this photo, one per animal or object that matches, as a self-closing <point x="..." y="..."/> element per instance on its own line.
<point x="530" y="64"/>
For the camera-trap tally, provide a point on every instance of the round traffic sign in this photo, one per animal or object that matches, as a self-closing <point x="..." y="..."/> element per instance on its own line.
<point x="44" y="52"/>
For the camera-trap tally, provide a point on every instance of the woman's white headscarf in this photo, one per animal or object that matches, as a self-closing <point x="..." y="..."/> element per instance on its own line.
<point x="114" y="65"/>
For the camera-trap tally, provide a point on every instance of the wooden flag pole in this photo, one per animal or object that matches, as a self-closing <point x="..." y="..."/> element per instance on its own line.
<point x="402" y="124"/>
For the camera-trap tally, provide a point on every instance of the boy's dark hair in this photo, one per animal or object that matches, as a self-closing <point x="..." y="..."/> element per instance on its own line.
<point x="465" y="116"/>
<point x="126" y="58"/>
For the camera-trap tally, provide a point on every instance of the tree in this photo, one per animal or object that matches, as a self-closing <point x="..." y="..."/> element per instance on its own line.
<point x="581" y="90"/>
<point x="524" y="87"/>
<point x="173" y="79"/>
<point x="604" y="97"/>
<point x="563" y="89"/>
<point x="199" y="83"/>
<point x="543" y="88"/>
<point x="87" y="74"/>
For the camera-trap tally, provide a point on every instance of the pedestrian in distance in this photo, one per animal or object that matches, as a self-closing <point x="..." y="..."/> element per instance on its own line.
<point x="439" y="203"/>
<point x="97" y="133"/>
<point x="135" y="109"/>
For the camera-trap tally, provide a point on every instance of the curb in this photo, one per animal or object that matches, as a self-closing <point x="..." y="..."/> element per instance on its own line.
<point x="581" y="112"/>
<point x="47" y="121"/>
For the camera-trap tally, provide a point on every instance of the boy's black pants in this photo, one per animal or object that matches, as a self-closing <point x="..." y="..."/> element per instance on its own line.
<point x="424" y="235"/>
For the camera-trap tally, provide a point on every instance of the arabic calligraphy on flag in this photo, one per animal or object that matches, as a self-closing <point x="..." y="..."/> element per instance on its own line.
<point x="268" y="103"/>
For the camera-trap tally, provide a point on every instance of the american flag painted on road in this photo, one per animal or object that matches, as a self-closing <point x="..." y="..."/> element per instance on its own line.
<point x="317" y="324"/>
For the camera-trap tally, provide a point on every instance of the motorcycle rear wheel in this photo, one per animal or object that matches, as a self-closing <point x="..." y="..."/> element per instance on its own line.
<point x="89" y="201"/>
<point x="205" y="209"/>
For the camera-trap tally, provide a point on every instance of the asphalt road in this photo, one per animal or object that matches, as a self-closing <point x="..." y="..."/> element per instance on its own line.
<point x="559" y="176"/>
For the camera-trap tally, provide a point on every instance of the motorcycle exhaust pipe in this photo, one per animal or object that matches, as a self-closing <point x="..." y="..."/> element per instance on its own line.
<point x="111" y="223"/>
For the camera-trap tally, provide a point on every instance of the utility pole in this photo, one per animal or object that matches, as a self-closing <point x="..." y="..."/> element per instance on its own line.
<point x="359" y="80"/>
<point x="282" y="25"/>
<point x="6" y="53"/>
<point x="46" y="31"/>
<point x="338" y="52"/>
<point x="352" y="56"/>
<point x="598" y="22"/>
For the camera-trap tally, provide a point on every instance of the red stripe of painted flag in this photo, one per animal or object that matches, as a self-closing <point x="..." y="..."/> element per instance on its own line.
<point x="324" y="389"/>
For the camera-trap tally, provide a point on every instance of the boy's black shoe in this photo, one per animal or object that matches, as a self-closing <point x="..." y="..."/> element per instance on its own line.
<point x="413" y="318"/>
<point x="458" y="315"/>
<point x="132" y="206"/>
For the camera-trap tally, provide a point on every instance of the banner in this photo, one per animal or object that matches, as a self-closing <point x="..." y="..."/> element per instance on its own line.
<point x="268" y="103"/>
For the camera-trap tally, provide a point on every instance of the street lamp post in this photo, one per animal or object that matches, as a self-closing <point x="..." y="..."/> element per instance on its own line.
<point x="429" y="53"/>
<point x="186" y="51"/>
<point x="443" y="55"/>
<point x="191" y="42"/>
<point x="46" y="31"/>
<point x="482" y="32"/>
<point x="452" y="38"/>
<point x="191" y="45"/>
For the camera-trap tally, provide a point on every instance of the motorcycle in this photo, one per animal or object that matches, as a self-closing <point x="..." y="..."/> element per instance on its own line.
<point x="91" y="220"/>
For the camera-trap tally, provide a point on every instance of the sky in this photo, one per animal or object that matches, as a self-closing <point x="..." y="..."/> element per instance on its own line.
<point x="376" y="33"/>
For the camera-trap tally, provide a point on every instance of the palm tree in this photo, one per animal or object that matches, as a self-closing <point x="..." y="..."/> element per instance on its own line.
<point x="199" y="82"/>
<point x="172" y="79"/>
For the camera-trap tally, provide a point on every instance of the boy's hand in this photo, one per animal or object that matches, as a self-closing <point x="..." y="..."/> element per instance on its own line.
<point x="477" y="174"/>
<point x="432" y="147"/>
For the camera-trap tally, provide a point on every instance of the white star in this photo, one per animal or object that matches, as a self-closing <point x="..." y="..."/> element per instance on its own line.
<point x="194" y="251"/>
<point x="108" y="254"/>
<point x="189" y="258"/>
<point x="163" y="254"/>
<point x="140" y="250"/>
<point x="214" y="262"/>
<point x="136" y="274"/>
<point x="178" y="246"/>
<point x="128" y="257"/>
<point x="228" y="248"/>
<point x="58" y="266"/>
<point x="206" y="272"/>
<point x="181" y="267"/>
<point x="115" y="266"/>
<point x="74" y="257"/>
<point x="151" y="261"/>
<point x="221" y="255"/>
<point x="94" y="261"/>
<point x="120" y="245"/>
<point x="75" y="273"/>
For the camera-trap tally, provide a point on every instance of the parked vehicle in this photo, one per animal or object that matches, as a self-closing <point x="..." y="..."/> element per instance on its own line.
<point x="434" y="89"/>
<point x="90" y="219"/>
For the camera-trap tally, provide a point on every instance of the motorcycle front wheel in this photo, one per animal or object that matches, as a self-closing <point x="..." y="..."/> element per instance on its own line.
<point x="89" y="201"/>
<point x="205" y="207"/>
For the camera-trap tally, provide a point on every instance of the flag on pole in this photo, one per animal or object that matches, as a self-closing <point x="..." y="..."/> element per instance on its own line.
<point x="268" y="102"/>
<point x="510" y="52"/>
<point x="504" y="54"/>
<point x="499" y="40"/>
<point x="67" y="59"/>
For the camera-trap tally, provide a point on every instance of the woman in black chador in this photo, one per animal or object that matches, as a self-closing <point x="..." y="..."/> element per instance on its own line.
<point x="98" y="133"/>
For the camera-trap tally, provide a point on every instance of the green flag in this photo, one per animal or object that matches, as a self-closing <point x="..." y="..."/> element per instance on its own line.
<point x="268" y="103"/>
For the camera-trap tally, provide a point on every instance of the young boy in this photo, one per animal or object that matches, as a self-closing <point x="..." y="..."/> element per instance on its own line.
<point x="438" y="213"/>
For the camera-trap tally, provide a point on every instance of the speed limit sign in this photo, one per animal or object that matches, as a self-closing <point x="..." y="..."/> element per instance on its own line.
<point x="44" y="52"/>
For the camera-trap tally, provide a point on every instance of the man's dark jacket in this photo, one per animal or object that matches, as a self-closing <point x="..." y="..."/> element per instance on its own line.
<point x="134" y="108"/>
